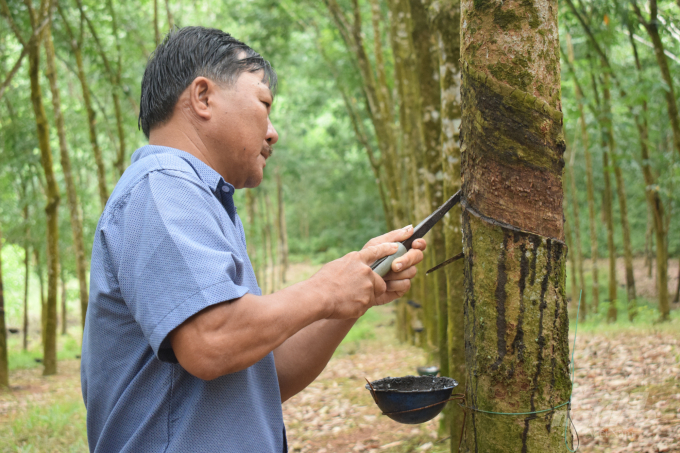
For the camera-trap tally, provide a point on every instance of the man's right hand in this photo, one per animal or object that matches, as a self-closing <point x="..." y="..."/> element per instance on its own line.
<point x="349" y="285"/>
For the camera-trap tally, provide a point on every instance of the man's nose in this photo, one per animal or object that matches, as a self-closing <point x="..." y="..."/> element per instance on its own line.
<point x="272" y="136"/>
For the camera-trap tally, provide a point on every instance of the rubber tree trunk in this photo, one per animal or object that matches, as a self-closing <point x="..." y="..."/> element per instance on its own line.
<point x="417" y="201"/>
<point x="446" y="22"/>
<point x="91" y="116"/>
<point x="512" y="146"/>
<point x="429" y="173"/>
<point x="607" y="196"/>
<point x="72" y="195"/>
<point x="623" y="207"/>
<point x="4" y="363"/>
<point x="590" y="190"/>
<point x="577" y="257"/>
<point x="592" y="224"/>
<point x="51" y="211"/>
<point x="654" y="203"/>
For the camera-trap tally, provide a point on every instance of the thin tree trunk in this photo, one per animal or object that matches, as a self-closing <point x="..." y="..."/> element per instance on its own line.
<point x="594" y="252"/>
<point x="577" y="294"/>
<point x="652" y="27"/>
<point x="120" y="158"/>
<point x="51" y="209"/>
<point x="623" y="207"/>
<point x="251" y="203"/>
<point x="91" y="117"/>
<point x="516" y="320"/>
<point x="114" y="78"/>
<point x="283" y="234"/>
<point x="430" y="173"/>
<point x="72" y="195"/>
<point x="446" y="22"/>
<point x="569" y="239"/>
<point x="270" y="243"/>
<point x="63" y="302"/>
<point x="607" y="202"/>
<point x="648" y="242"/>
<point x="26" y="276"/>
<point x="4" y="363"/>
<point x="171" y="22"/>
<point x="157" y="32"/>
<point x="654" y="203"/>
<point x="676" y="299"/>
<point x="41" y="278"/>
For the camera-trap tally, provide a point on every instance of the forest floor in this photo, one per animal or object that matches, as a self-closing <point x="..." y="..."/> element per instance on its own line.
<point x="626" y="396"/>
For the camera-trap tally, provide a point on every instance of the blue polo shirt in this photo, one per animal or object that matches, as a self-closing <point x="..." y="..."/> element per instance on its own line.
<point x="168" y="245"/>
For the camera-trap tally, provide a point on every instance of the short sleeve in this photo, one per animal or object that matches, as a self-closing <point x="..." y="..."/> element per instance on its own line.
<point x="177" y="255"/>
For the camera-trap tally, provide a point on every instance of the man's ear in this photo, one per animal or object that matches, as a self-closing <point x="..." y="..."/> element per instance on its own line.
<point x="200" y="92"/>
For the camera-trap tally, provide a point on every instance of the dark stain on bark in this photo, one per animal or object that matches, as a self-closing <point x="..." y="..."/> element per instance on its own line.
<point x="540" y="340"/>
<point x="518" y="343"/>
<point x="501" y="325"/>
<point x="535" y="242"/>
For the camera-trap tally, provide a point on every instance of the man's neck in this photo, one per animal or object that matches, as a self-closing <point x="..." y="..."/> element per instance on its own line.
<point x="173" y="135"/>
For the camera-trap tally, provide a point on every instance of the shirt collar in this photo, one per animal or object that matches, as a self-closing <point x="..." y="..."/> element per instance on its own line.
<point x="209" y="176"/>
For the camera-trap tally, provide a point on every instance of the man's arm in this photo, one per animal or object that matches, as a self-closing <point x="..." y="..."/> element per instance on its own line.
<point x="301" y="358"/>
<point x="234" y="335"/>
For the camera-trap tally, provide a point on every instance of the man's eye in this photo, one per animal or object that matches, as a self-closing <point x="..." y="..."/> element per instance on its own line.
<point x="267" y="104"/>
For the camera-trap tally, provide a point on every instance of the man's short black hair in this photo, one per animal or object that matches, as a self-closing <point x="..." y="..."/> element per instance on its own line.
<point x="187" y="53"/>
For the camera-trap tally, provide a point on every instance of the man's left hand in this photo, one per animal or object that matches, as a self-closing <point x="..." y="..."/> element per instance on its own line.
<point x="403" y="268"/>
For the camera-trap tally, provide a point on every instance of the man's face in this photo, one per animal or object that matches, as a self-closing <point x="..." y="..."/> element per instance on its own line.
<point x="239" y="135"/>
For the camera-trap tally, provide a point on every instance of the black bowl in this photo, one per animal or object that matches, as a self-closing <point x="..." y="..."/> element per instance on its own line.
<point x="412" y="399"/>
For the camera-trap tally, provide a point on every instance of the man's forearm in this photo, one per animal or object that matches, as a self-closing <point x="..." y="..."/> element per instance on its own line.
<point x="302" y="357"/>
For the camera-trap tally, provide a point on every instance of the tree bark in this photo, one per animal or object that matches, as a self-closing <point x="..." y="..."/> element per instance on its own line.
<point x="51" y="208"/>
<point x="72" y="195"/>
<point x="516" y="321"/>
<point x="4" y="363"/>
<point x="91" y="117"/>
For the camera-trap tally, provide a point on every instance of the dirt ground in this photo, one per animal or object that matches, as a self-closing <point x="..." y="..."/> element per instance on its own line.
<point x="626" y="397"/>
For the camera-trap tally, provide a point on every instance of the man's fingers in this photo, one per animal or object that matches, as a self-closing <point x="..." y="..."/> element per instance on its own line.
<point x="411" y="258"/>
<point x="393" y="236"/>
<point x="407" y="273"/>
<point x="369" y="255"/>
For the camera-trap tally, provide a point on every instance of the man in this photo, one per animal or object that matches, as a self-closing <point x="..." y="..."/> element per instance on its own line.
<point x="181" y="352"/>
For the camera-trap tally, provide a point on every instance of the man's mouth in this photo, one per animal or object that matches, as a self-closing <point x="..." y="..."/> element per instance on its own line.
<point x="267" y="151"/>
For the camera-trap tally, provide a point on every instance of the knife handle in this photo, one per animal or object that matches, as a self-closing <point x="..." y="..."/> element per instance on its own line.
<point x="384" y="265"/>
